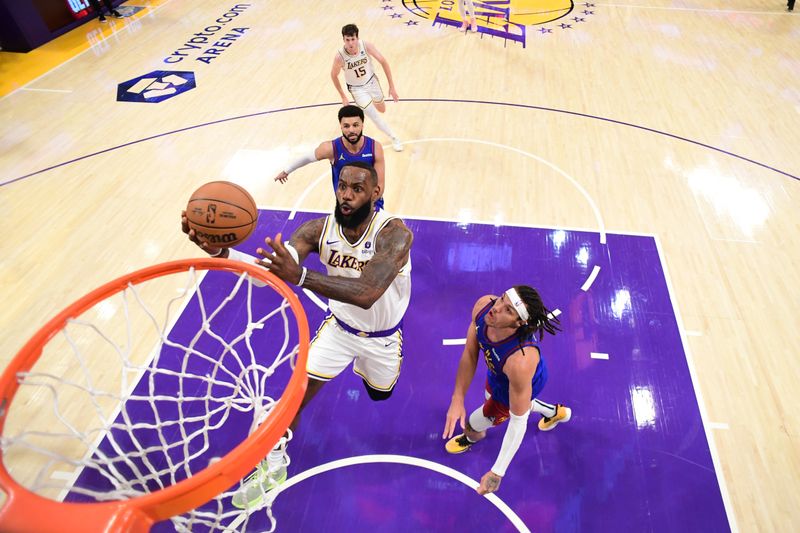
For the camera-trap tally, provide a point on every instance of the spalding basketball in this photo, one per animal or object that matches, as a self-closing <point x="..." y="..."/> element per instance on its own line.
<point x="222" y="213"/>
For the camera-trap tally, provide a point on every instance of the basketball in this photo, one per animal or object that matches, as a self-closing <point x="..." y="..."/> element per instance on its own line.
<point x="222" y="214"/>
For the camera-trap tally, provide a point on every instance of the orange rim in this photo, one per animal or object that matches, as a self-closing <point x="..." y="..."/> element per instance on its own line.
<point x="25" y="511"/>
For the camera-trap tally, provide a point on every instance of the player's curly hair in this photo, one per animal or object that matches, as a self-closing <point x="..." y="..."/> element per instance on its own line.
<point x="540" y="319"/>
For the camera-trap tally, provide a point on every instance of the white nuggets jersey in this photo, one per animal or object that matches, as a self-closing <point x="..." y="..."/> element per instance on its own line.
<point x="344" y="259"/>
<point x="358" y="68"/>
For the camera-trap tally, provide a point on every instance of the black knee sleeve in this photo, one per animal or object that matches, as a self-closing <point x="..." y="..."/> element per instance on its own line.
<point x="375" y="394"/>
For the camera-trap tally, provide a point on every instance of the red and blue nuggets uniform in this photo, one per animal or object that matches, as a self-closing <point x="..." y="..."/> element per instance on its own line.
<point x="341" y="157"/>
<point x="496" y="354"/>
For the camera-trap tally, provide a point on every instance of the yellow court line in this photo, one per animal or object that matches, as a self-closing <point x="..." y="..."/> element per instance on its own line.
<point x="19" y="69"/>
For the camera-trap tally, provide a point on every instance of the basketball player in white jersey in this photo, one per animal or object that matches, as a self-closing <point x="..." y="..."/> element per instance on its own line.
<point x="367" y="255"/>
<point x="355" y="58"/>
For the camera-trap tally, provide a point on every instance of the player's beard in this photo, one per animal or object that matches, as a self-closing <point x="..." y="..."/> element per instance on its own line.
<point x="360" y="134"/>
<point x="354" y="219"/>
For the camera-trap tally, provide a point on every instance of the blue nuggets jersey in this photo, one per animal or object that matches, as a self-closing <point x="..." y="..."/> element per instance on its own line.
<point x="341" y="157"/>
<point x="496" y="354"/>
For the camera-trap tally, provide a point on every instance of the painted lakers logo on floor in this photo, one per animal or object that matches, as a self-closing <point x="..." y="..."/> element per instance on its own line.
<point x="509" y="20"/>
<point x="155" y="86"/>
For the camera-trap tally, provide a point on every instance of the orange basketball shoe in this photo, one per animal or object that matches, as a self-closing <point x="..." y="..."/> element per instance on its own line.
<point x="458" y="444"/>
<point x="563" y="414"/>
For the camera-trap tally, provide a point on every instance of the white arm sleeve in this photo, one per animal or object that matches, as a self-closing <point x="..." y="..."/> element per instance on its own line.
<point x="301" y="161"/>
<point x="236" y="255"/>
<point x="517" y="426"/>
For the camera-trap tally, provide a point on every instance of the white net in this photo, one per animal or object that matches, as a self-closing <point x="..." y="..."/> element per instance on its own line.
<point x="151" y="386"/>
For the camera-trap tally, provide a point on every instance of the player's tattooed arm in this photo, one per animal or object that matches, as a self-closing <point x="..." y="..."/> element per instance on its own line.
<point x="391" y="253"/>
<point x="305" y="239"/>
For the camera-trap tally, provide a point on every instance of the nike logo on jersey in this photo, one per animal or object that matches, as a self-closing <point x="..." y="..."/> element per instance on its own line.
<point x="366" y="155"/>
<point x="388" y="344"/>
<point x="331" y="242"/>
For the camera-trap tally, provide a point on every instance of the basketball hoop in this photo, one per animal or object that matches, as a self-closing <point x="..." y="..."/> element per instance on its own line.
<point x="178" y="427"/>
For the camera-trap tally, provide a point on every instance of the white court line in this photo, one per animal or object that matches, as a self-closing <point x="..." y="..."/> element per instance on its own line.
<point x="598" y="355"/>
<point x="519" y="225"/>
<point x="693" y="333"/>
<point x="719" y="425"/>
<point x="305" y="193"/>
<point x="406" y="216"/>
<point x="453" y="342"/>
<point x="573" y="181"/>
<point x="150" y="11"/>
<point x="62" y="475"/>
<point x="314" y="298"/>
<point x="45" y="90"/>
<point x="712" y="447"/>
<point x="396" y="459"/>
<point x="590" y="279"/>
<point x="696" y="10"/>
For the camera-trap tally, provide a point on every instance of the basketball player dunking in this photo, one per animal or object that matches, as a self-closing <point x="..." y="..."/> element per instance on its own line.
<point x="367" y="255"/>
<point x="355" y="58"/>
<point x="352" y="146"/>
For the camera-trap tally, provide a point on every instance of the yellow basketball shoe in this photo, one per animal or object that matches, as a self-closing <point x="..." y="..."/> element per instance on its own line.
<point x="458" y="444"/>
<point x="563" y="414"/>
<point x="253" y="489"/>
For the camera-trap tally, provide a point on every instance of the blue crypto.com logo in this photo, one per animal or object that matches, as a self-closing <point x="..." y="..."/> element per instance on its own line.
<point x="155" y="87"/>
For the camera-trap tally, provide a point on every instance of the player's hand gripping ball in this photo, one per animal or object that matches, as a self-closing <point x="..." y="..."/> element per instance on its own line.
<point x="222" y="214"/>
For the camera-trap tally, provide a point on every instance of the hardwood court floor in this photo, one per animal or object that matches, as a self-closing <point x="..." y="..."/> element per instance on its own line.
<point x="678" y="120"/>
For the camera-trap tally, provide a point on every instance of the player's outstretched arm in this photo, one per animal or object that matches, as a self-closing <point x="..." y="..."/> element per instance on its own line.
<point x="465" y="373"/>
<point x="338" y="64"/>
<point x="520" y="368"/>
<point x="371" y="50"/>
<point x="393" y="246"/>
<point x="323" y="151"/>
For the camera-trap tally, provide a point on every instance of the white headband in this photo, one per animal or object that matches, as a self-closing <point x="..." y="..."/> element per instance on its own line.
<point x="518" y="304"/>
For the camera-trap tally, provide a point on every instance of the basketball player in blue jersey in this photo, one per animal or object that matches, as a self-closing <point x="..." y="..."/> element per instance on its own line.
<point x="352" y="146"/>
<point x="367" y="255"/>
<point x="355" y="58"/>
<point x="504" y="331"/>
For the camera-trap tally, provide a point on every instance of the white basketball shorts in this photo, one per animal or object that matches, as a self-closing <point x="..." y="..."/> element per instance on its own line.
<point x="367" y="93"/>
<point x="376" y="359"/>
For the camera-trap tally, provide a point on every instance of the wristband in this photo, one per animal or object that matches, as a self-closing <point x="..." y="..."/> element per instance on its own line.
<point x="302" y="277"/>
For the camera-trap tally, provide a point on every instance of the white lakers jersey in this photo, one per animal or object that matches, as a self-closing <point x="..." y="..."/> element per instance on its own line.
<point x="342" y="258"/>
<point x="357" y="68"/>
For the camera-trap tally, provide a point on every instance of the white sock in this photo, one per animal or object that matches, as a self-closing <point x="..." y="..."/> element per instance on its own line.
<point x="277" y="457"/>
<point x="470" y="9"/>
<point x="544" y="409"/>
<point x="376" y="117"/>
<point x="479" y="423"/>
